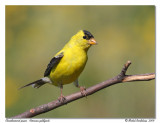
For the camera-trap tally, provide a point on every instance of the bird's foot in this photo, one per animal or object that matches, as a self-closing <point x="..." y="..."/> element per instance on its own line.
<point x="83" y="91"/>
<point x="61" y="98"/>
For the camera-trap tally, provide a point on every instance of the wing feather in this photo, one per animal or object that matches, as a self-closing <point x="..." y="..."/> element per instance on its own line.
<point x="53" y="63"/>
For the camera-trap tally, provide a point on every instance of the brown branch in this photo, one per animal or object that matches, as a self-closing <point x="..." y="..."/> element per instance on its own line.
<point x="122" y="77"/>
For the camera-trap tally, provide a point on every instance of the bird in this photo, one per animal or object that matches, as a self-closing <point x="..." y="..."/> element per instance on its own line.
<point x="66" y="66"/>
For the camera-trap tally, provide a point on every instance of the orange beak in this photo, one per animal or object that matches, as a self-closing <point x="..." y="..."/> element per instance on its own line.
<point x="92" y="41"/>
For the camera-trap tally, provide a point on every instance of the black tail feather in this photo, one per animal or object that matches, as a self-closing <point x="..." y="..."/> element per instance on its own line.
<point x="35" y="84"/>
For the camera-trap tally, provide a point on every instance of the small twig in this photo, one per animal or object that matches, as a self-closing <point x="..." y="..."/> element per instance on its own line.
<point x="121" y="78"/>
<point x="139" y="77"/>
<point x="125" y="67"/>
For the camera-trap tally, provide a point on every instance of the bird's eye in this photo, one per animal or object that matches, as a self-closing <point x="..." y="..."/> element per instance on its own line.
<point x="84" y="37"/>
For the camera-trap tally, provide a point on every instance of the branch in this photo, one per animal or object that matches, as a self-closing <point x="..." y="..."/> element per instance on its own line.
<point x="121" y="78"/>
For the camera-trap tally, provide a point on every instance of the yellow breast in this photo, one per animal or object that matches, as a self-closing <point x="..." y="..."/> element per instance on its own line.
<point x="69" y="68"/>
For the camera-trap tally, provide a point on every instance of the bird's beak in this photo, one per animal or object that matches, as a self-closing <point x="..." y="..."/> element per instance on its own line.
<point x="92" y="41"/>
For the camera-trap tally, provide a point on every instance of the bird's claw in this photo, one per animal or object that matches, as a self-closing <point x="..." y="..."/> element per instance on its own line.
<point x="83" y="91"/>
<point x="61" y="99"/>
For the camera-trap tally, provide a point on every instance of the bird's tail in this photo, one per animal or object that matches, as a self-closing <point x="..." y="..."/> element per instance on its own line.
<point x="38" y="83"/>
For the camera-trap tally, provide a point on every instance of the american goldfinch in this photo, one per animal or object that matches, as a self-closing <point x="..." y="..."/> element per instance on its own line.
<point x="66" y="66"/>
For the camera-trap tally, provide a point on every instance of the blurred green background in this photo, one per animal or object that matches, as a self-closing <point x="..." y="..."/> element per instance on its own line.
<point x="34" y="34"/>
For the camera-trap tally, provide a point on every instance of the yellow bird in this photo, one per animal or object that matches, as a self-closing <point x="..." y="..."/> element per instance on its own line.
<point x="66" y="66"/>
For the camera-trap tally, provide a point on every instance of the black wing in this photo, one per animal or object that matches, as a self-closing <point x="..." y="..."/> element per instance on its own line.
<point x="54" y="61"/>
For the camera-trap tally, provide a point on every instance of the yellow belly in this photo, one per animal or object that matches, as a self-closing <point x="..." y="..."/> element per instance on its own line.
<point x="69" y="68"/>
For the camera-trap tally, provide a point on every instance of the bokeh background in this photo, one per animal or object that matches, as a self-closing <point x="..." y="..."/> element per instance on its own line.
<point x="35" y="33"/>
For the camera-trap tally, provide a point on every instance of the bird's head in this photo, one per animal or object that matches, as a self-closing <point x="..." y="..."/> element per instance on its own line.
<point x="83" y="39"/>
<point x="87" y="36"/>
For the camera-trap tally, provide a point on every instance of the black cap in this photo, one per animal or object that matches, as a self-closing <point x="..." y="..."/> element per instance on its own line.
<point x="88" y="35"/>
